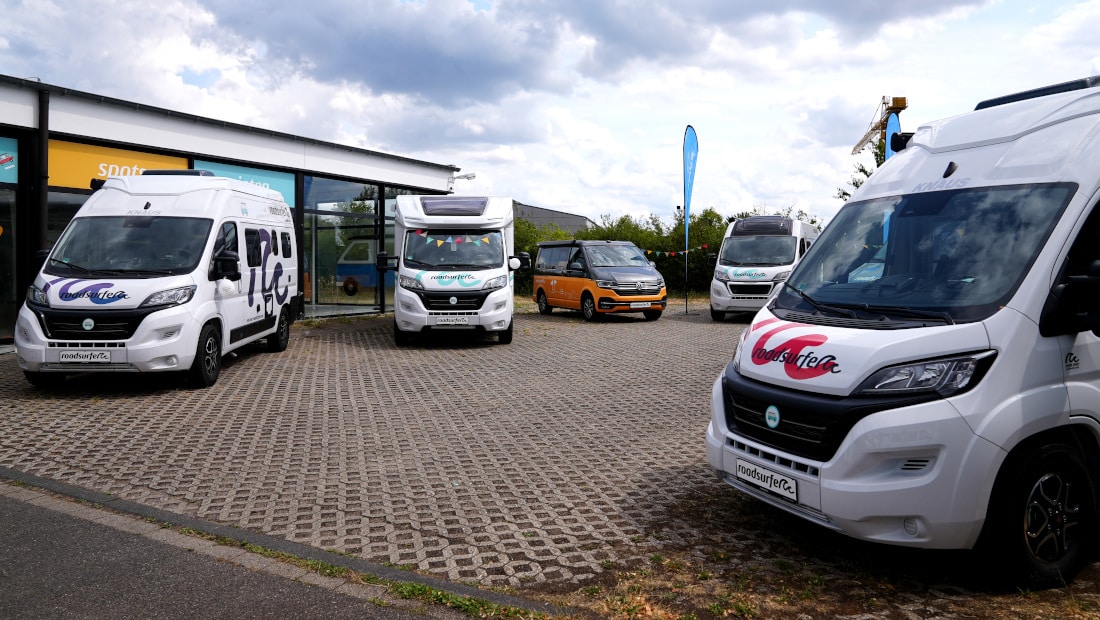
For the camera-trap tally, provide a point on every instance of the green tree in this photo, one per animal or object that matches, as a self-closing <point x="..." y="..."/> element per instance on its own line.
<point x="862" y="171"/>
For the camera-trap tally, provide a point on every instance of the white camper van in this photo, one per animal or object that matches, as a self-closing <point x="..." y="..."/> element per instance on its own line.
<point x="166" y="271"/>
<point x="455" y="265"/>
<point x="757" y="254"/>
<point x="929" y="374"/>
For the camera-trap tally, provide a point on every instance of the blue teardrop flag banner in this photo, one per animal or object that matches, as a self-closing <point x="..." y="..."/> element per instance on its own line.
<point x="691" y="153"/>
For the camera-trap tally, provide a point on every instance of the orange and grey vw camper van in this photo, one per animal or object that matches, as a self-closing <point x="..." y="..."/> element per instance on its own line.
<point x="597" y="277"/>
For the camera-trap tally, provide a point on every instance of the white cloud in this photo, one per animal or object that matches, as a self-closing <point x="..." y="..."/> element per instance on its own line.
<point x="569" y="104"/>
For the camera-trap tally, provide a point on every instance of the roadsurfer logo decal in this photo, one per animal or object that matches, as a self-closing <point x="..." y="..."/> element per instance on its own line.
<point x="462" y="280"/>
<point x="749" y="274"/>
<point x="96" y="292"/>
<point x="800" y="360"/>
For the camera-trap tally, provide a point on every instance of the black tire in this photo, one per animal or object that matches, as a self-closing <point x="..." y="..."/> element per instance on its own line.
<point x="351" y="287"/>
<point x="544" y="304"/>
<point x="588" y="308"/>
<point x="400" y="338"/>
<point x="715" y="315"/>
<point x="280" y="338"/>
<point x="44" y="379"/>
<point x="652" y="315"/>
<point x="1041" y="523"/>
<point x="505" y="337"/>
<point x="208" y="357"/>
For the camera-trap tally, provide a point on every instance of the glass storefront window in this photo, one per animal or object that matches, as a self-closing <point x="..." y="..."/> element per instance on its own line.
<point x="341" y="241"/>
<point x="9" y="296"/>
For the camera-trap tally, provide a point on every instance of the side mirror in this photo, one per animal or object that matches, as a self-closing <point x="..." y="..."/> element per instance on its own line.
<point x="227" y="265"/>
<point x="712" y="260"/>
<point x="1073" y="306"/>
<point x="520" y="262"/>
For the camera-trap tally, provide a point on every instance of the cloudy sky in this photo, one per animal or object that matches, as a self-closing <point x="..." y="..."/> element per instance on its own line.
<point x="575" y="105"/>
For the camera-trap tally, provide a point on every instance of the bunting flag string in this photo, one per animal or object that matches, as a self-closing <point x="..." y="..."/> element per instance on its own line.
<point x="661" y="253"/>
<point x="452" y="239"/>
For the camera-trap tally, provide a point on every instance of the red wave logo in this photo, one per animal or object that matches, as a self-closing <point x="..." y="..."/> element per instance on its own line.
<point x="798" y="363"/>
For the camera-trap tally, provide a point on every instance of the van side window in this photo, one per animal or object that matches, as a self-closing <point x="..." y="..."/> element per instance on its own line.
<point x="1085" y="248"/>
<point x="252" y="247"/>
<point x="274" y="243"/>
<point x="286" y="244"/>
<point x="577" y="257"/>
<point x="227" y="238"/>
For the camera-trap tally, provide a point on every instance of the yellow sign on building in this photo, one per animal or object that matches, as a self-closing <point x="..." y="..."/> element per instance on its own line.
<point x="75" y="165"/>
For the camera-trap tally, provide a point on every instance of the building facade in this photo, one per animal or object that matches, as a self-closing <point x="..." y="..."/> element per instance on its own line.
<point x="54" y="141"/>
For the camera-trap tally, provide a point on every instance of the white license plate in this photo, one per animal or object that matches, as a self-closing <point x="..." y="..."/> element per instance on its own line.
<point x="98" y="357"/>
<point x="452" y="320"/>
<point x="767" y="479"/>
<point x="640" y="304"/>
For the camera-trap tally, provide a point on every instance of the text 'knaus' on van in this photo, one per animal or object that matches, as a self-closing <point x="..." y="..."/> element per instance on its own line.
<point x="929" y="373"/>
<point x="166" y="271"/>
<point x="597" y="278"/>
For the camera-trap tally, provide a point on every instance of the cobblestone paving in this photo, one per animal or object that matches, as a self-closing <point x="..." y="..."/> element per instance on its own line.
<point x="501" y="465"/>
<point x="537" y="464"/>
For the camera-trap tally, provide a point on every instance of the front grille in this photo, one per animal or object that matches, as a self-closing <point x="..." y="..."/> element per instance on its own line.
<point x="811" y="426"/>
<point x="750" y="289"/>
<point x="441" y="300"/>
<point x="637" y="289"/>
<point x="105" y="324"/>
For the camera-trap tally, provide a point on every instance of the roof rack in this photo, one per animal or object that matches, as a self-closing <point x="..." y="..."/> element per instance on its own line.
<point x="1064" y="87"/>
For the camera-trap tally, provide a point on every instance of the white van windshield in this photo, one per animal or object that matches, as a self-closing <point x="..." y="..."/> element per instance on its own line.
<point x="951" y="256"/>
<point x="757" y="251"/>
<point x="442" y="250"/>
<point x="134" y="246"/>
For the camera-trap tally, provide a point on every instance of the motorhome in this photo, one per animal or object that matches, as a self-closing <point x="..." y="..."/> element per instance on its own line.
<point x="166" y="271"/>
<point x="756" y="255"/>
<point x="929" y="373"/>
<point x="455" y="266"/>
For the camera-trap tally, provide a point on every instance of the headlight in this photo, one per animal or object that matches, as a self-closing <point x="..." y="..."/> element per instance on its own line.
<point x="410" y="283"/>
<point x="495" y="283"/>
<point x="781" y="276"/>
<point x="946" y="377"/>
<point x="170" y="297"/>
<point x="36" y="295"/>
<point x="605" y="283"/>
<point x="721" y="275"/>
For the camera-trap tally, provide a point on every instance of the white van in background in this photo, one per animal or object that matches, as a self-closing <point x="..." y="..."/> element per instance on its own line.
<point x="757" y="254"/>
<point x="929" y="374"/>
<point x="454" y="265"/>
<point x="167" y="271"/>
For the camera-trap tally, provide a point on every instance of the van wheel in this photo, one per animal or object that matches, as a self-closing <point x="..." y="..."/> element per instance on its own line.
<point x="400" y="338"/>
<point x="1041" y="521"/>
<point x="544" y="305"/>
<point x="716" y="315"/>
<point x="588" y="308"/>
<point x="208" y="357"/>
<point x="278" y="341"/>
<point x="44" y="379"/>
<point x="652" y="315"/>
<point x="351" y="287"/>
<point x="505" y="337"/>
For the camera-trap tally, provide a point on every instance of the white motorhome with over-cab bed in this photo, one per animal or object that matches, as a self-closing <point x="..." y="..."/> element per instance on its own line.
<point x="166" y="271"/>
<point x="455" y="266"/>
<point x="929" y="373"/>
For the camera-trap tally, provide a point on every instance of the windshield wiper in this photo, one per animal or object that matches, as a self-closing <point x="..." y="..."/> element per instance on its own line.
<point x="824" y="307"/>
<point x="909" y="312"/>
<point x="70" y="265"/>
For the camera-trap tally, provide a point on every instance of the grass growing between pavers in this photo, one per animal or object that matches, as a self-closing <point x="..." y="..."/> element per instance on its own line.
<point x="409" y="591"/>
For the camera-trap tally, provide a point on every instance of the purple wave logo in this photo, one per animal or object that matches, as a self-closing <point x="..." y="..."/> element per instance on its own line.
<point x="97" y="292"/>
